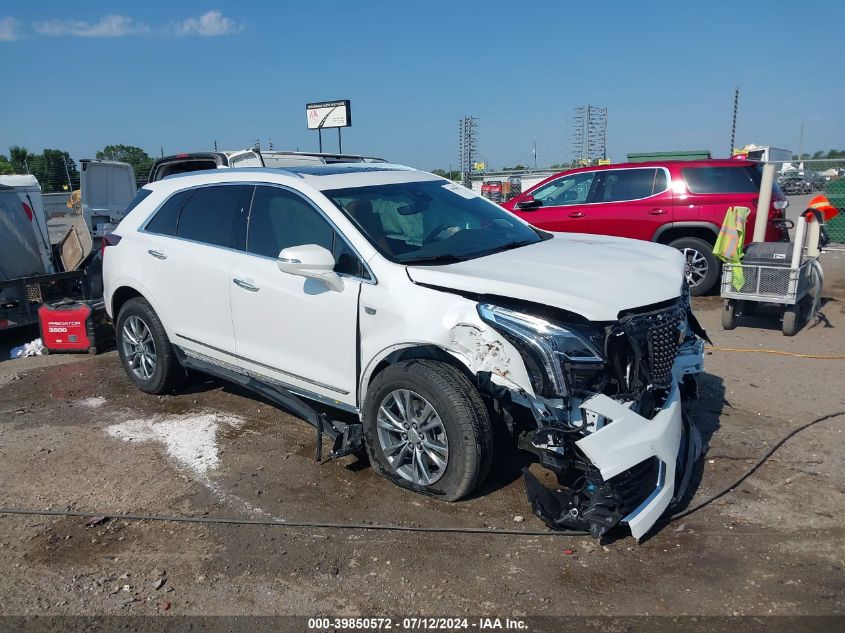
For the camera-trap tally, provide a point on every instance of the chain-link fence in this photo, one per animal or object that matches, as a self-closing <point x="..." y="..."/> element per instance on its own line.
<point x="801" y="180"/>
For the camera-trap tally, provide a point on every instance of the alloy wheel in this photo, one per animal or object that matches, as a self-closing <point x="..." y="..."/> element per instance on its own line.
<point x="412" y="437"/>
<point x="696" y="266"/>
<point x="139" y="347"/>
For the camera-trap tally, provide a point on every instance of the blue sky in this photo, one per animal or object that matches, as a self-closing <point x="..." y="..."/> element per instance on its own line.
<point x="182" y="74"/>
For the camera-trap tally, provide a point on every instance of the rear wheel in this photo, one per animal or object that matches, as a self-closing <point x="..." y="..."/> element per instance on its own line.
<point x="144" y="349"/>
<point x="702" y="267"/>
<point x="729" y="315"/>
<point x="427" y="429"/>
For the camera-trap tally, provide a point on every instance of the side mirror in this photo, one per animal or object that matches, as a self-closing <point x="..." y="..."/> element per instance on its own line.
<point x="313" y="262"/>
<point x="527" y="203"/>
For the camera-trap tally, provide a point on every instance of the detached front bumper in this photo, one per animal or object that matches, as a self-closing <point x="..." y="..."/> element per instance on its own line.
<point x="630" y="439"/>
<point x="641" y="466"/>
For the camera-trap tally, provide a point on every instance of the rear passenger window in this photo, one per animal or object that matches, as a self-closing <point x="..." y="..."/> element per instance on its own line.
<point x="280" y="219"/>
<point x="739" y="179"/>
<point x="167" y="217"/>
<point x="216" y="215"/>
<point x="660" y="182"/>
<point x="628" y="184"/>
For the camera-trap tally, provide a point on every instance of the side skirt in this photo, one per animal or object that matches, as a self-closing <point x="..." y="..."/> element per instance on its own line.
<point x="346" y="438"/>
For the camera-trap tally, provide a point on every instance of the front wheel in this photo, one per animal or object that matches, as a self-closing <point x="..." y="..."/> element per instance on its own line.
<point x="791" y="320"/>
<point x="701" y="267"/>
<point x="427" y="429"/>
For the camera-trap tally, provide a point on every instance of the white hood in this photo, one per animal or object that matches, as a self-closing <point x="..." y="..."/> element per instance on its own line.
<point x="595" y="276"/>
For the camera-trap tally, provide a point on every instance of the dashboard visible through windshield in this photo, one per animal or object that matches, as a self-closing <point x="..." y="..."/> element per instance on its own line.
<point x="431" y="222"/>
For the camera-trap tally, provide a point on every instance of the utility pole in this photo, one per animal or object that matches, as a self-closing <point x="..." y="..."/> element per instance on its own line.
<point x="466" y="147"/>
<point x="67" y="173"/>
<point x="733" y="124"/>
<point x="801" y="141"/>
<point x="589" y="134"/>
<point x="461" y="148"/>
<point x="535" y="154"/>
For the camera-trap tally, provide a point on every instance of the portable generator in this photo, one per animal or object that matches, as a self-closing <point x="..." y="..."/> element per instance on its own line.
<point x="75" y="326"/>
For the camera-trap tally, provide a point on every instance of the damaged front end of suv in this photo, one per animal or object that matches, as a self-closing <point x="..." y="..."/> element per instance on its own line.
<point x="606" y="415"/>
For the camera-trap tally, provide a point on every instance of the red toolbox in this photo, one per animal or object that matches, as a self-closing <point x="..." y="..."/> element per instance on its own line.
<point x="75" y="326"/>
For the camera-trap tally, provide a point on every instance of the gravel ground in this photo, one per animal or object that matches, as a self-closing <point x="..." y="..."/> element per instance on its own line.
<point x="75" y="434"/>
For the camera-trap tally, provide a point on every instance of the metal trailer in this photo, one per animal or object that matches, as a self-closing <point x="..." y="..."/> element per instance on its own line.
<point x="795" y="284"/>
<point x="21" y="297"/>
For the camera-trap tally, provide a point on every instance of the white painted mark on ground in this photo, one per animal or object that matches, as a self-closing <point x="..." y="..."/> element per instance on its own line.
<point x="191" y="440"/>
<point x="93" y="403"/>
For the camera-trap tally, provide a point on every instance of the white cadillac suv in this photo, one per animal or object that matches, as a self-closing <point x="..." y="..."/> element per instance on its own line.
<point x="431" y="314"/>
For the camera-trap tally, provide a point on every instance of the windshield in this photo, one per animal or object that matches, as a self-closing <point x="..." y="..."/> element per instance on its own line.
<point x="433" y="222"/>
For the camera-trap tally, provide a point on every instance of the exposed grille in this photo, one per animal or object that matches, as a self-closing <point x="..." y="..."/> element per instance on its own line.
<point x="656" y="336"/>
<point x="663" y="347"/>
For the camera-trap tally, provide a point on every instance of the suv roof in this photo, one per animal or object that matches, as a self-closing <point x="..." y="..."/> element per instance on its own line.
<point x="709" y="162"/>
<point x="320" y="177"/>
<point x="200" y="161"/>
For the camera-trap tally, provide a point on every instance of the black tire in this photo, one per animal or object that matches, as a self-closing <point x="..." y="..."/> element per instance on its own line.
<point x="462" y="413"/>
<point x="791" y="320"/>
<point x="168" y="372"/>
<point x="729" y="315"/>
<point x="710" y="277"/>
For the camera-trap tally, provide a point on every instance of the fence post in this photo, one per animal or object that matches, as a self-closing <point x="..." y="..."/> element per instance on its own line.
<point x="764" y="201"/>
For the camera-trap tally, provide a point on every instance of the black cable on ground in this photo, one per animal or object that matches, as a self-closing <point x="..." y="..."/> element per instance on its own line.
<point x="400" y="528"/>
<point x="756" y="465"/>
<point x="291" y="524"/>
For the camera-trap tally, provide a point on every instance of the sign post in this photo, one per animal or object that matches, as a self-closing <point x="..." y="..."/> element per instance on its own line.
<point x="327" y="114"/>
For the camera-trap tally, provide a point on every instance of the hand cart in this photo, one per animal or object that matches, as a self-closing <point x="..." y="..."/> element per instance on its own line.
<point x="784" y="273"/>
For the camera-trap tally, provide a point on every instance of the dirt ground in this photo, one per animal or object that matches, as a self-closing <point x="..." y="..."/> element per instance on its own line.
<point x="75" y="434"/>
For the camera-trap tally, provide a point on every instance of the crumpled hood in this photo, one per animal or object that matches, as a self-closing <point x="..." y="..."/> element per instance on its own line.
<point x="596" y="276"/>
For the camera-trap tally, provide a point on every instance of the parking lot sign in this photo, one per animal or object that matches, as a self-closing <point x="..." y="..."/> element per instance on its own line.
<point x="328" y="114"/>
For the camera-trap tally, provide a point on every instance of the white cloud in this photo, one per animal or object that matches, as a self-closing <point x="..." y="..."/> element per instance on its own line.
<point x="9" y="29"/>
<point x="108" y="26"/>
<point x="209" y="24"/>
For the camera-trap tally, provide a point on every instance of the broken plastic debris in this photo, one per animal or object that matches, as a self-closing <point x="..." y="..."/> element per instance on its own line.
<point x="35" y="348"/>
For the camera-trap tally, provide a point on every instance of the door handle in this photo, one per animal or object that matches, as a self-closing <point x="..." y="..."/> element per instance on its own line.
<point x="577" y="214"/>
<point x="157" y="254"/>
<point x="246" y="285"/>
<point x="656" y="212"/>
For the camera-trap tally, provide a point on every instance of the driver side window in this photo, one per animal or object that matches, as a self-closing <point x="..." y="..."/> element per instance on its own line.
<point x="280" y="219"/>
<point x="568" y="190"/>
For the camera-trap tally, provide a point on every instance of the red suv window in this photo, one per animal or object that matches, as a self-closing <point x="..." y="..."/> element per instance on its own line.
<point x="739" y="179"/>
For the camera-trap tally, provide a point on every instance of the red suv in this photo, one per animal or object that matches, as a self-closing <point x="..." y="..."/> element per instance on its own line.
<point x="680" y="203"/>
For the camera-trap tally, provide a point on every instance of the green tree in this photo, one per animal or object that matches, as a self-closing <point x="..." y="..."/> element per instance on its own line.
<point x="6" y="166"/>
<point x="18" y="157"/>
<point x="55" y="170"/>
<point x="451" y="175"/>
<point x="139" y="159"/>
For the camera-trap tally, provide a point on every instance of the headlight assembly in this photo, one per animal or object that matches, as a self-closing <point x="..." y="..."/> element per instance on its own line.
<point x="544" y="346"/>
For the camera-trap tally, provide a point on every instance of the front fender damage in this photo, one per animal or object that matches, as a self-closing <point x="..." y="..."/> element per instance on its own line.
<point x="484" y="351"/>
